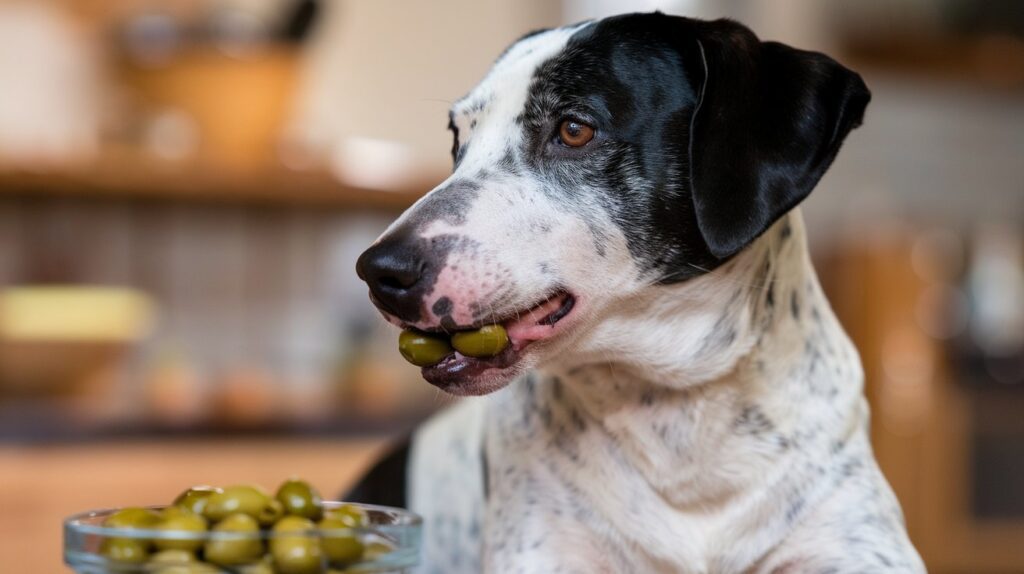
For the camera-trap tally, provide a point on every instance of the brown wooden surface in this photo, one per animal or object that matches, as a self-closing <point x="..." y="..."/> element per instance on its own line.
<point x="40" y="485"/>
<point x="131" y="177"/>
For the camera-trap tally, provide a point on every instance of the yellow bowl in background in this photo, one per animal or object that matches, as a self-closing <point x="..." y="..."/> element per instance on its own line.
<point x="72" y="313"/>
<point x="55" y="338"/>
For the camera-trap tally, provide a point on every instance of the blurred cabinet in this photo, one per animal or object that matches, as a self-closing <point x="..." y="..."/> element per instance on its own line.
<point x="949" y="449"/>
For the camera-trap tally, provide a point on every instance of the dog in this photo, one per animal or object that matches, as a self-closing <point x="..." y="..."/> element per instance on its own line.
<point x="677" y="395"/>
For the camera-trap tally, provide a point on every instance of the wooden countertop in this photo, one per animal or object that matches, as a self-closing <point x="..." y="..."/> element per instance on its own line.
<point x="41" y="485"/>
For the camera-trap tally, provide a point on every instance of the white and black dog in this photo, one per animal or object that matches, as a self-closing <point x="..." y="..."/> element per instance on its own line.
<point x="678" y="395"/>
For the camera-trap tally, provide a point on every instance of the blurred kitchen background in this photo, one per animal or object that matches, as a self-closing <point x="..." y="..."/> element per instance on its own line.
<point x="185" y="186"/>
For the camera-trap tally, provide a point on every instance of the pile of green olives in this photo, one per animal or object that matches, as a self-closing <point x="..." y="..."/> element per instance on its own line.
<point x="243" y="529"/>
<point x="426" y="349"/>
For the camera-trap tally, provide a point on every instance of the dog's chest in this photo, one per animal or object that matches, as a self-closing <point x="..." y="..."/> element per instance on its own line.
<point x="565" y="492"/>
<point x="562" y="498"/>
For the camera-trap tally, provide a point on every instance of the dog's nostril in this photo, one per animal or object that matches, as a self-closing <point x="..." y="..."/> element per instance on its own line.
<point x="398" y="282"/>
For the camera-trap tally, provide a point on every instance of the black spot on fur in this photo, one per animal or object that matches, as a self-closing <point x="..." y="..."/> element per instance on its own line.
<point x="753" y="421"/>
<point x="486" y="467"/>
<point x="455" y="137"/>
<point x="442" y="306"/>
<point x="577" y="420"/>
<point x="647" y="399"/>
<point x="794" y="510"/>
<point x="794" y="305"/>
<point x="850" y="468"/>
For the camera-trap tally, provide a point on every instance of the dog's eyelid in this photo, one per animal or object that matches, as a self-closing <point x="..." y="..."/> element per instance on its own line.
<point x="580" y="117"/>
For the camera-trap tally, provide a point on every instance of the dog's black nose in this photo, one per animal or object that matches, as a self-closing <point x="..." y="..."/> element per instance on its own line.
<point x="395" y="273"/>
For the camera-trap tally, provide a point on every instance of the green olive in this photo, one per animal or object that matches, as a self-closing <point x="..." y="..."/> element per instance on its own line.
<point x="271" y="513"/>
<point x="231" y="551"/>
<point x="487" y="341"/>
<point x="350" y="515"/>
<point x="174" y="512"/>
<point x="186" y="568"/>
<point x="297" y="553"/>
<point x="183" y="522"/>
<point x="376" y="549"/>
<point x="172" y="557"/>
<point x="246" y="499"/>
<point x="132" y="518"/>
<point x="423" y="349"/>
<point x="128" y="550"/>
<point x="344" y="548"/>
<point x="300" y="499"/>
<point x="264" y="566"/>
<point x="195" y="498"/>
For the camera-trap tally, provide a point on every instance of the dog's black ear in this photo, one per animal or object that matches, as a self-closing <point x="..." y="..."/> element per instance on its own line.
<point x="768" y="123"/>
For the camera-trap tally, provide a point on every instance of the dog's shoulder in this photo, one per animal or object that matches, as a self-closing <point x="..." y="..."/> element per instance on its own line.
<point x="858" y="528"/>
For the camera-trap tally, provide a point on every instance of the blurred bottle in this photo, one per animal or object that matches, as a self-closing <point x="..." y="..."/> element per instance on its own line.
<point x="49" y="97"/>
<point x="995" y="284"/>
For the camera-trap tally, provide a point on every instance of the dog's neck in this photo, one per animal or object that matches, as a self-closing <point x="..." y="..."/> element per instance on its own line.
<point x="745" y="363"/>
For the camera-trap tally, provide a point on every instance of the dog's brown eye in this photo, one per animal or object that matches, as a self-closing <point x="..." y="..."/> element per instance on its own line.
<point x="575" y="134"/>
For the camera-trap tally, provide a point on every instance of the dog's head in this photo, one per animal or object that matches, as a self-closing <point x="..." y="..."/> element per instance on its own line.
<point x="600" y="160"/>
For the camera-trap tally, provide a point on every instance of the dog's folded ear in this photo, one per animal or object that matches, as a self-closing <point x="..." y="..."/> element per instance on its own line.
<point x="768" y="122"/>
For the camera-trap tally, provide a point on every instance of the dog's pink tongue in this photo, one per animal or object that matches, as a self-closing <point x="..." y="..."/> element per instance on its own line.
<point x="528" y="327"/>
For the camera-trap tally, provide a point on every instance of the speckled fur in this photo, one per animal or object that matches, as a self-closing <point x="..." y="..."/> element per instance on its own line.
<point x="716" y="425"/>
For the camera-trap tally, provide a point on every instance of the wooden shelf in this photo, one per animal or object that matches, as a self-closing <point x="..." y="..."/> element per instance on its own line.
<point x="135" y="178"/>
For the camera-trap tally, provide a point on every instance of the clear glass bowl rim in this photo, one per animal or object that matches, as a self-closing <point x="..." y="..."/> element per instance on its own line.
<point x="408" y="522"/>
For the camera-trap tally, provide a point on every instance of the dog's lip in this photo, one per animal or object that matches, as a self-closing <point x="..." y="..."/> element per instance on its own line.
<point x="541" y="320"/>
<point x="462" y="375"/>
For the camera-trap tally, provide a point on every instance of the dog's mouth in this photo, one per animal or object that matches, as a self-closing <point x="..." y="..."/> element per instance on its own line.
<point x="462" y="375"/>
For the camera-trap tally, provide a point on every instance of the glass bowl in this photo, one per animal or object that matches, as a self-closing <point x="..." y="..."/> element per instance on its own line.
<point x="392" y="537"/>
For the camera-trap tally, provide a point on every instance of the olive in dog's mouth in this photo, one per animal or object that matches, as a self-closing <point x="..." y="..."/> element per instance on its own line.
<point x="521" y="330"/>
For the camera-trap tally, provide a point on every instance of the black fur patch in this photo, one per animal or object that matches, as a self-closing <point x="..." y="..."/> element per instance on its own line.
<point x="386" y="482"/>
<point x="656" y="89"/>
